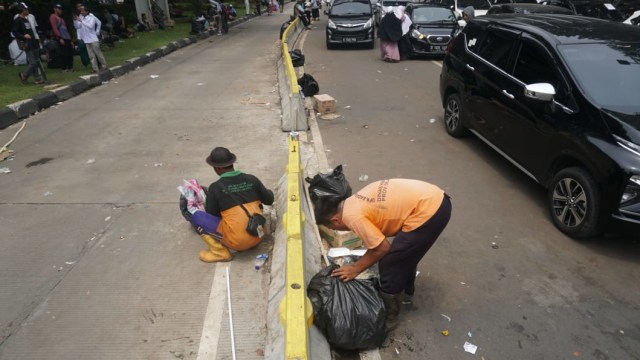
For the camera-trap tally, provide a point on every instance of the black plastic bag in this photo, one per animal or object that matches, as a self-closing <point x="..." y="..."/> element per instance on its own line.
<point x="333" y="185"/>
<point x="309" y="85"/>
<point x="297" y="57"/>
<point x="350" y="314"/>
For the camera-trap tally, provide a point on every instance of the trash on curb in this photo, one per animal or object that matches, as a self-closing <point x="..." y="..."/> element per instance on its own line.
<point x="324" y="104"/>
<point x="363" y="177"/>
<point x="446" y="317"/>
<point x="494" y="245"/>
<point x="432" y="120"/>
<point x="470" y="348"/>
<point x="445" y="332"/>
<point x="5" y="170"/>
<point x="260" y="260"/>
<point x="154" y="76"/>
<point x="469" y="334"/>
<point x="47" y="193"/>
<point x="91" y="161"/>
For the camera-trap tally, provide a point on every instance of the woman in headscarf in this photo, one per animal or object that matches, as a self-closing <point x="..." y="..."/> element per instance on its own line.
<point x="390" y="32"/>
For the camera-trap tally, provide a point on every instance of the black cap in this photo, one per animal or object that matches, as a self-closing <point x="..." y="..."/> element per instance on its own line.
<point x="221" y="157"/>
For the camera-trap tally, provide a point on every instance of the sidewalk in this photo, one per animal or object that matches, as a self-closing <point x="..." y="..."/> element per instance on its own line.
<point x="96" y="261"/>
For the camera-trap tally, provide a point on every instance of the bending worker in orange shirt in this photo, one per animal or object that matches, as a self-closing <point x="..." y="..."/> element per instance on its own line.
<point x="413" y="211"/>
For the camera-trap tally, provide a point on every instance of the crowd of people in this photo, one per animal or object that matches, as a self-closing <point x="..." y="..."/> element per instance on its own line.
<point x="57" y="46"/>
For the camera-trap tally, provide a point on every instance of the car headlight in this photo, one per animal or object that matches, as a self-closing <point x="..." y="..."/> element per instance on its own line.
<point x="417" y="34"/>
<point x="331" y="24"/>
<point x="631" y="192"/>
<point x="368" y="23"/>
<point x="634" y="148"/>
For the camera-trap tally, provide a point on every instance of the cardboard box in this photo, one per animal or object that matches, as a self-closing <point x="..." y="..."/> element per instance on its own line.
<point x="324" y="104"/>
<point x="337" y="238"/>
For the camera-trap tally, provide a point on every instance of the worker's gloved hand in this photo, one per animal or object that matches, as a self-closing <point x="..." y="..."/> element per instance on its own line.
<point x="346" y="272"/>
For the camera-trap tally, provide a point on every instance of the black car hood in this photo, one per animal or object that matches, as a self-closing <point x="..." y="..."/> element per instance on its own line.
<point x="626" y="125"/>
<point x="351" y="19"/>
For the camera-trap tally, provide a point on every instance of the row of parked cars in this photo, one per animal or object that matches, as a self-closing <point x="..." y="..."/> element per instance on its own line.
<point x="557" y="94"/>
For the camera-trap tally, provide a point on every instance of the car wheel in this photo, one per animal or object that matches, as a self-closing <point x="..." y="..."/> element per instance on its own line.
<point x="453" y="114"/>
<point x="574" y="201"/>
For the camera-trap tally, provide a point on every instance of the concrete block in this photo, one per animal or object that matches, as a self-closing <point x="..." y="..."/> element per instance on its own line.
<point x="92" y="80"/>
<point x="182" y="43"/>
<point x="165" y="50"/>
<point x="105" y="75"/>
<point x="144" y="60"/>
<point x="153" y="55"/>
<point x="78" y="87"/>
<point x="63" y="93"/>
<point x="135" y="62"/>
<point x="45" y="99"/>
<point x="7" y="117"/>
<point x="324" y="104"/>
<point x="191" y="39"/>
<point x="175" y="45"/>
<point x="127" y="67"/>
<point x="118" y="70"/>
<point x="24" y="108"/>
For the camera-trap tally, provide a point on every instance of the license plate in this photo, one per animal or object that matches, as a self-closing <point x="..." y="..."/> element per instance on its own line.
<point x="349" y="40"/>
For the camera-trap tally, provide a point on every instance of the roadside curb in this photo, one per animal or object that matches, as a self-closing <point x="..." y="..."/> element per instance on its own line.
<point x="15" y="112"/>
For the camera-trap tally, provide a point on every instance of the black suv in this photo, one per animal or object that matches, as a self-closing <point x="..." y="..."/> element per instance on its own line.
<point x="350" y="22"/>
<point x="433" y="27"/>
<point x="558" y="96"/>
<point x="600" y="9"/>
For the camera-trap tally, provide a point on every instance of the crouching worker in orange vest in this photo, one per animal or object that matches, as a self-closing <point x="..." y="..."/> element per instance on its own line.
<point x="230" y="202"/>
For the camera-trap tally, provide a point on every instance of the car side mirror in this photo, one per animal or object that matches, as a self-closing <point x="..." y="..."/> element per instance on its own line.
<point x="540" y="91"/>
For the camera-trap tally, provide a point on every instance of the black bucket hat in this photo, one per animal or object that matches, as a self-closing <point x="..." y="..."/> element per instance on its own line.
<point x="221" y="157"/>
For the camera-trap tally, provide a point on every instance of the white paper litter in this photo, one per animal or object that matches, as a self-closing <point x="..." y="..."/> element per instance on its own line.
<point x="5" y="170"/>
<point x="154" y="76"/>
<point x="363" y="177"/>
<point x="432" y="120"/>
<point x="470" y="348"/>
<point x="107" y="218"/>
<point x="91" y="161"/>
<point x="342" y="251"/>
<point x="446" y="317"/>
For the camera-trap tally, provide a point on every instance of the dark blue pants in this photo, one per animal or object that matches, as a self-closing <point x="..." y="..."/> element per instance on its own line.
<point x="398" y="267"/>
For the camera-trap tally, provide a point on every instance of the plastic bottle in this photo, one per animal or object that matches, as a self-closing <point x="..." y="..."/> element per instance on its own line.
<point x="260" y="260"/>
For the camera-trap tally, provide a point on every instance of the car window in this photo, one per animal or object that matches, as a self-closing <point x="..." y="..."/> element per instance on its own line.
<point x="477" y="4"/>
<point x="496" y="48"/>
<point x="394" y="3"/>
<point x="351" y="8"/>
<point x="532" y="66"/>
<point x="432" y="14"/>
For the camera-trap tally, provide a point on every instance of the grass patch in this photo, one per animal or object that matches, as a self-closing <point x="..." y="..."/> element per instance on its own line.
<point x="11" y="90"/>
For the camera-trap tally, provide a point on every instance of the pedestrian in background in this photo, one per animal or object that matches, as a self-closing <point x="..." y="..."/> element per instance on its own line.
<point x="413" y="211"/>
<point x="298" y="11"/>
<point x="88" y="27"/>
<point x="315" y="10"/>
<point x="25" y="36"/>
<point x="62" y="35"/>
<point x="229" y="203"/>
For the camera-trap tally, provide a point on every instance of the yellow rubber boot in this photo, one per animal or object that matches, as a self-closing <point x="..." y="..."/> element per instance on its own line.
<point x="217" y="252"/>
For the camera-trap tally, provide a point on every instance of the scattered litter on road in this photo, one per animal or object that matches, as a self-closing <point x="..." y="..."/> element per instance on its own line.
<point x="577" y="353"/>
<point x="329" y="116"/>
<point x="432" y="120"/>
<point x="70" y="262"/>
<point x="363" y="177"/>
<point x="154" y="76"/>
<point x="445" y="332"/>
<point x="121" y="237"/>
<point x="397" y="351"/>
<point x="380" y="72"/>
<point x="157" y="164"/>
<point x="463" y="283"/>
<point x="5" y="170"/>
<point x="494" y="245"/>
<point x="405" y="69"/>
<point x="470" y="348"/>
<point x="412" y="140"/>
<point x="417" y="273"/>
<point x="365" y="126"/>
<point x="469" y="334"/>
<point x="260" y="260"/>
<point x="91" y="161"/>
<point x="446" y="317"/>
<point x="107" y="218"/>
<point x="200" y="84"/>
<point x="348" y="107"/>
<point x="48" y="193"/>
<point x="622" y="332"/>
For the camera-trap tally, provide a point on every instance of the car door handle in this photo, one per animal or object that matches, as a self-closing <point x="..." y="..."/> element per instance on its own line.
<point x="471" y="67"/>
<point x="506" y="93"/>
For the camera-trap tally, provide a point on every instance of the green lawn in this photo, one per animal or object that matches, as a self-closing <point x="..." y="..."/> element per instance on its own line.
<point x="11" y="90"/>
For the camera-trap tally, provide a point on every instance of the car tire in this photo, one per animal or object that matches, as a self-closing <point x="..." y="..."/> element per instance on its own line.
<point x="453" y="116"/>
<point x="574" y="203"/>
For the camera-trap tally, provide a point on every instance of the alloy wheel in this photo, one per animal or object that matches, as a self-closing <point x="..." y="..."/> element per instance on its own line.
<point x="569" y="202"/>
<point x="452" y="115"/>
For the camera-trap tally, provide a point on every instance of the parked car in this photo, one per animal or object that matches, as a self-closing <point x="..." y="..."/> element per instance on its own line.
<point x="600" y="9"/>
<point x="480" y="7"/>
<point x="528" y="9"/>
<point x="350" y="22"/>
<point x="433" y="27"/>
<point x="385" y="6"/>
<point x="498" y="2"/>
<point x="627" y="7"/>
<point x="557" y="96"/>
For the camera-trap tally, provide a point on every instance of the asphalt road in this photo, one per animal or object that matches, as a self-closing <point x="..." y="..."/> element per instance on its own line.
<point x="501" y="276"/>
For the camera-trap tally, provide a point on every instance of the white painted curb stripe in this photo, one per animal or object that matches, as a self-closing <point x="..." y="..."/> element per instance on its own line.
<point x="211" y="328"/>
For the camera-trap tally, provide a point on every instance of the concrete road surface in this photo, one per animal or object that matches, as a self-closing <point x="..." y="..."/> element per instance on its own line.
<point x="501" y="277"/>
<point x="96" y="261"/>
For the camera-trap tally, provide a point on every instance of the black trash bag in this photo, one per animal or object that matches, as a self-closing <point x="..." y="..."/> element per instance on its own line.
<point x="309" y="85"/>
<point x="297" y="57"/>
<point x="333" y="185"/>
<point x="350" y="314"/>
